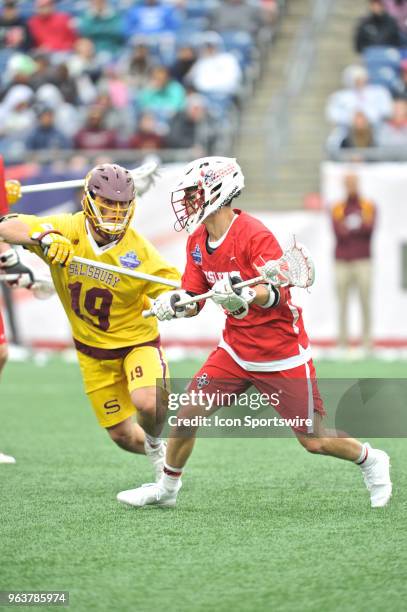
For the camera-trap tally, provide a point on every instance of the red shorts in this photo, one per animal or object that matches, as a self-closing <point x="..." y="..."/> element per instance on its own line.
<point x="293" y="393"/>
<point x="2" y="333"/>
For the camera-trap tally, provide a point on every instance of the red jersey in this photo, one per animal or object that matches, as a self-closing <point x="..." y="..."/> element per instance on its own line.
<point x="267" y="339"/>
<point x="54" y="32"/>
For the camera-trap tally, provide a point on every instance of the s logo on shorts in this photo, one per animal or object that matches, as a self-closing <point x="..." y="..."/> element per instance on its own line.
<point x="112" y="406"/>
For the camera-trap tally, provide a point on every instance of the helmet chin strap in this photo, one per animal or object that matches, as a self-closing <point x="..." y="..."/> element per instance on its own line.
<point x="101" y="237"/>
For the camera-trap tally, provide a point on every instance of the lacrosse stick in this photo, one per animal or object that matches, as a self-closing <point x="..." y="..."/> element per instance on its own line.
<point x="144" y="177"/>
<point x="295" y="268"/>
<point x="127" y="272"/>
<point x="42" y="288"/>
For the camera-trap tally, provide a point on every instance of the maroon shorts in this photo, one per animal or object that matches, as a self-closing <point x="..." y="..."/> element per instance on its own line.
<point x="293" y="393"/>
<point x="2" y="333"/>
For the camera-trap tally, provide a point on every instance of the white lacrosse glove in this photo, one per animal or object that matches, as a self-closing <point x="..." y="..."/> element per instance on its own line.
<point x="145" y="176"/>
<point x="274" y="272"/>
<point x="233" y="301"/>
<point x="165" y="306"/>
<point x="11" y="265"/>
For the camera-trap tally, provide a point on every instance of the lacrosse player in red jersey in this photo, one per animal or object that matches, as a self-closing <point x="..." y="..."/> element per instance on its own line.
<point x="10" y="264"/>
<point x="264" y="342"/>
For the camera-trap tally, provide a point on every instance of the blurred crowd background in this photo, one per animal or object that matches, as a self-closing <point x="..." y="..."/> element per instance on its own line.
<point x="369" y="113"/>
<point x="128" y="76"/>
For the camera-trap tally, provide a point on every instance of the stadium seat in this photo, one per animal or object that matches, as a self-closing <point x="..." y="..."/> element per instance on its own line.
<point x="191" y="28"/>
<point x="200" y="8"/>
<point x="382" y="56"/>
<point x="241" y="45"/>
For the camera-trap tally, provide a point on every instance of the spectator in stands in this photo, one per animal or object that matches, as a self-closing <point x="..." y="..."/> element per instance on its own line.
<point x="270" y="10"/>
<point x="95" y="135"/>
<point x="67" y="117"/>
<point x="216" y="71"/>
<point x="19" y="70"/>
<point x="51" y="30"/>
<point x="84" y="61"/>
<point x="65" y="83"/>
<point x="16" y="114"/>
<point x="353" y="222"/>
<point x="193" y="128"/>
<point x="151" y="17"/>
<point x="185" y="59"/>
<point x="137" y="65"/>
<point x="45" y="135"/>
<point x="14" y="32"/>
<point x="162" y="95"/>
<point x="16" y="120"/>
<point x="149" y="133"/>
<point x="360" y="135"/>
<point x="377" y="28"/>
<point x="401" y="90"/>
<point x="114" y="84"/>
<point x="85" y="67"/>
<point x="44" y="72"/>
<point x="235" y="16"/>
<point x="398" y="10"/>
<point x="119" y="120"/>
<point x="104" y="26"/>
<point x="374" y="101"/>
<point x="393" y="133"/>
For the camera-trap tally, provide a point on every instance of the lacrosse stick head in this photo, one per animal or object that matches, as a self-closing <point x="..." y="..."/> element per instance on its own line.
<point x="109" y="200"/>
<point x="206" y="185"/>
<point x="43" y="289"/>
<point x="295" y="268"/>
<point x="145" y="176"/>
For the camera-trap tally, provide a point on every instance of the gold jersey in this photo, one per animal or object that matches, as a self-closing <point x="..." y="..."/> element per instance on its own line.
<point x="104" y="308"/>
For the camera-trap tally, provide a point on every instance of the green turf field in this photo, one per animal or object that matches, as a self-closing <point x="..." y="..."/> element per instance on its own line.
<point x="260" y="524"/>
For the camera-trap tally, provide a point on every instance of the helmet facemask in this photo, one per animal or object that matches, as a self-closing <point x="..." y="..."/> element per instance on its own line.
<point x="108" y="218"/>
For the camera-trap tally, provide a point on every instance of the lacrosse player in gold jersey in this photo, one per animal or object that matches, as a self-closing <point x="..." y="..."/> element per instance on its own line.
<point x="124" y="369"/>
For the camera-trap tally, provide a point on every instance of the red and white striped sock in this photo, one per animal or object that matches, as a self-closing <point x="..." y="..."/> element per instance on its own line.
<point x="365" y="457"/>
<point x="171" y="476"/>
<point x="152" y="441"/>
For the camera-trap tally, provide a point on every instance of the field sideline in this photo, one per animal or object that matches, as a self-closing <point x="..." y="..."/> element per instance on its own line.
<point x="260" y="524"/>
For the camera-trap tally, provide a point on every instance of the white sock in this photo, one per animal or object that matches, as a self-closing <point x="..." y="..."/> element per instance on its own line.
<point x="171" y="477"/>
<point x="152" y="441"/>
<point x="366" y="456"/>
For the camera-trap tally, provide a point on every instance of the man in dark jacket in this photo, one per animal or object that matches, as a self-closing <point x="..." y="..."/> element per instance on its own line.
<point x="376" y="29"/>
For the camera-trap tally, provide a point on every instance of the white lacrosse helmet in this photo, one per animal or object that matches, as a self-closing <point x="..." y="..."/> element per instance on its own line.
<point x="206" y="185"/>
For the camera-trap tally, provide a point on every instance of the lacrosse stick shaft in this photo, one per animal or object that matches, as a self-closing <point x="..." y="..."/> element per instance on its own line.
<point x="118" y="270"/>
<point x="204" y="296"/>
<point x="9" y="278"/>
<point x="74" y="184"/>
<point x="139" y="172"/>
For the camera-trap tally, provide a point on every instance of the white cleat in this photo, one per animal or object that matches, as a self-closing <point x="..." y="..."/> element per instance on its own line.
<point x="377" y="478"/>
<point x="156" y="456"/>
<point x="6" y="458"/>
<point x="153" y="494"/>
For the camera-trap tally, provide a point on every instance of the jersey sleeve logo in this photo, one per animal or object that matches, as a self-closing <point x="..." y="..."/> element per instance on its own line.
<point x="130" y="260"/>
<point x="202" y="381"/>
<point x="197" y="255"/>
